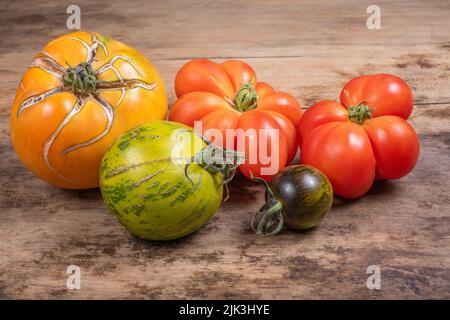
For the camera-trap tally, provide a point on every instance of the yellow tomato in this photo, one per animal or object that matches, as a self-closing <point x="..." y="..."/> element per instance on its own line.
<point x="80" y="92"/>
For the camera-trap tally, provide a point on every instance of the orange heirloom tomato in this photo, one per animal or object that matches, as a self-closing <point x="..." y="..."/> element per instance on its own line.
<point x="80" y="92"/>
<point x="366" y="138"/>
<point x="228" y="96"/>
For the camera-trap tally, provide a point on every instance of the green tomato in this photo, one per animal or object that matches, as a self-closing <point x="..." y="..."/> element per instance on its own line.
<point x="147" y="186"/>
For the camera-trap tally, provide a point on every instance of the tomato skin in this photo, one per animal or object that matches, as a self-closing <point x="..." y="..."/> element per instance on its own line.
<point x="263" y="89"/>
<point x="220" y="120"/>
<point x="395" y="145"/>
<point x="203" y="75"/>
<point x="290" y="132"/>
<point x="385" y="94"/>
<point x="283" y="103"/>
<point x="318" y="114"/>
<point x="239" y="73"/>
<point x="195" y="105"/>
<point x="63" y="141"/>
<point x="253" y="122"/>
<point x="342" y="151"/>
<point x="207" y="91"/>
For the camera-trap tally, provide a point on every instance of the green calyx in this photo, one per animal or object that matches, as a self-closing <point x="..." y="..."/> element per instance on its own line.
<point x="359" y="113"/>
<point x="214" y="160"/>
<point x="81" y="80"/>
<point x="269" y="220"/>
<point x="246" y="98"/>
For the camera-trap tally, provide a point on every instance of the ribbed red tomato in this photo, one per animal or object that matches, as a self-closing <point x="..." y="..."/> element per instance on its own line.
<point x="385" y="94"/>
<point x="366" y="137"/>
<point x="227" y="96"/>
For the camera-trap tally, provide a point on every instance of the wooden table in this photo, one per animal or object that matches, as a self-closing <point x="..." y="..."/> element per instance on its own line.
<point x="307" y="48"/>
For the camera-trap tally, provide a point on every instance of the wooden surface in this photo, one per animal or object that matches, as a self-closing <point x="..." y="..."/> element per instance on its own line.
<point x="308" y="48"/>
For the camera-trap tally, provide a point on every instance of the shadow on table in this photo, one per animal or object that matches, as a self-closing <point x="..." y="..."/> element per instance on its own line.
<point x="379" y="188"/>
<point x="242" y="190"/>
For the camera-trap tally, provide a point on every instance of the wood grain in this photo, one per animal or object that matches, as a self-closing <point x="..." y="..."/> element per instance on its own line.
<point x="308" y="48"/>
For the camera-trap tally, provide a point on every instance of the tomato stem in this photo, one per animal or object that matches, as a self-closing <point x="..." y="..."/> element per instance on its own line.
<point x="268" y="220"/>
<point x="81" y="80"/>
<point x="246" y="98"/>
<point x="359" y="113"/>
<point x="215" y="159"/>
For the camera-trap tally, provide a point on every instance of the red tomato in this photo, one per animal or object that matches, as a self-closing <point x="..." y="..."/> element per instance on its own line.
<point x="385" y="94"/>
<point x="353" y="145"/>
<point x="227" y="96"/>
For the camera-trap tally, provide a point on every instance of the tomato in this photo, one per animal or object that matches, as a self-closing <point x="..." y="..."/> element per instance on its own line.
<point x="227" y="97"/>
<point x="145" y="184"/>
<point x="352" y="144"/>
<point x="298" y="196"/>
<point x="385" y="94"/>
<point x="80" y="92"/>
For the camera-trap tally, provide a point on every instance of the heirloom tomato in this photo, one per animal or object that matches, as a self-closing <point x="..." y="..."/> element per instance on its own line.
<point x="228" y="99"/>
<point x="366" y="137"/>
<point x="298" y="196"/>
<point x="385" y="94"/>
<point x="148" y="187"/>
<point x="80" y="92"/>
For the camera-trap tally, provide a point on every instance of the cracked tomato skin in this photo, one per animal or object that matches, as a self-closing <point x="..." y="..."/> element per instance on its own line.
<point x="207" y="92"/>
<point x="353" y="154"/>
<point x="62" y="137"/>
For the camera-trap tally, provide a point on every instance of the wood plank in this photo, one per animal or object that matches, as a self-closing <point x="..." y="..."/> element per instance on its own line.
<point x="401" y="225"/>
<point x="307" y="48"/>
<point x="285" y="46"/>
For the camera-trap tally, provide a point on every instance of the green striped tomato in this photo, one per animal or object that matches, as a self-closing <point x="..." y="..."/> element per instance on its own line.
<point x="146" y="188"/>
<point x="299" y="197"/>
